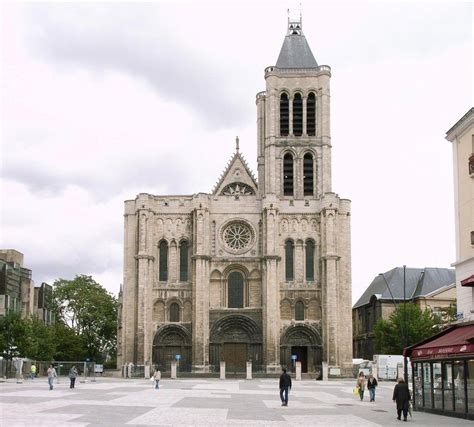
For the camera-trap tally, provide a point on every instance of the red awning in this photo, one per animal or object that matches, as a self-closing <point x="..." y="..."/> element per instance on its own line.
<point x="469" y="281"/>
<point x="456" y="342"/>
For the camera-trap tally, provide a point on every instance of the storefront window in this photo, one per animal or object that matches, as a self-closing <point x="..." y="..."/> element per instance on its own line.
<point x="448" y="386"/>
<point x="437" y="386"/>
<point x="459" y="396"/>
<point x="418" y="394"/>
<point x="427" y="385"/>
<point x="470" y="386"/>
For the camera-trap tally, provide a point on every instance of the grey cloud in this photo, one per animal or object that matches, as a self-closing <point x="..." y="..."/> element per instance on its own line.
<point x="106" y="181"/>
<point x="84" y="36"/>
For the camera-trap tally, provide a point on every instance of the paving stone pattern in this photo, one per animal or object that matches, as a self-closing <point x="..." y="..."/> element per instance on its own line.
<point x="200" y="402"/>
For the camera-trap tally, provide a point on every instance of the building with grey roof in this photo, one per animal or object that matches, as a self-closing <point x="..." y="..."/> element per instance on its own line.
<point x="432" y="288"/>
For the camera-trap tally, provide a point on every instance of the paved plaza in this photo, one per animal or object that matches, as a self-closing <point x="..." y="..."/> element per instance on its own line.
<point x="200" y="402"/>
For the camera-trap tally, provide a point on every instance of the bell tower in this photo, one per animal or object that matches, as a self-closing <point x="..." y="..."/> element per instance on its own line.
<point x="293" y="122"/>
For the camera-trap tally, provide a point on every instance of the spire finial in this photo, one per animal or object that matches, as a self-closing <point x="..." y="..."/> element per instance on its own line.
<point x="295" y="23"/>
<point x="237" y="144"/>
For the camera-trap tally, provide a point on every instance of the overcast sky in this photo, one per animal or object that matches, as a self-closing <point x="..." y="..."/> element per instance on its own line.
<point x="102" y="101"/>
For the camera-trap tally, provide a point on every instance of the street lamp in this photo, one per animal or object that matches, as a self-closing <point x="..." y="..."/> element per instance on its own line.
<point x="404" y="328"/>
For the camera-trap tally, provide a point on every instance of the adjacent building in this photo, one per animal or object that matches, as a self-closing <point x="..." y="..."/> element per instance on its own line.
<point x="461" y="135"/>
<point x="17" y="289"/>
<point x="254" y="271"/>
<point x="430" y="288"/>
<point x="16" y="285"/>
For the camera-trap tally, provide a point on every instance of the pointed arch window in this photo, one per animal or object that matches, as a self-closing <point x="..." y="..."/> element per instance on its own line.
<point x="174" y="312"/>
<point x="308" y="174"/>
<point x="311" y="115"/>
<point x="288" y="175"/>
<point x="297" y="115"/>
<point x="299" y="310"/>
<point x="309" y="260"/>
<point x="284" y="115"/>
<point x="235" y="290"/>
<point x="289" y="260"/>
<point x="183" y="260"/>
<point x="163" y="274"/>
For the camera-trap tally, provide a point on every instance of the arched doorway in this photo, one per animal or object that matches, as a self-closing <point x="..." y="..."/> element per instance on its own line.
<point x="169" y="341"/>
<point x="304" y="342"/>
<point x="235" y="339"/>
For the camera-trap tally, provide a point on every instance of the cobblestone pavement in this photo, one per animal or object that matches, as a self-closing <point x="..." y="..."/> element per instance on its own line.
<point x="200" y="402"/>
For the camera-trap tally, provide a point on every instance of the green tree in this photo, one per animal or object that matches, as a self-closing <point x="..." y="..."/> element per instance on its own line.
<point x="69" y="345"/>
<point x="41" y="341"/>
<point x="85" y="307"/>
<point x="407" y="325"/>
<point x="14" y="335"/>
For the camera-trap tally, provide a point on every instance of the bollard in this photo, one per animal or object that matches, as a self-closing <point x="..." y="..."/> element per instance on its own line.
<point x="222" y="370"/>
<point x="325" y="371"/>
<point x="147" y="372"/>
<point x="174" y="371"/>
<point x="249" y="370"/>
<point x="298" y="371"/>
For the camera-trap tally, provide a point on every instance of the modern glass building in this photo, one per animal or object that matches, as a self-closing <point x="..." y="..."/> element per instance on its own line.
<point x="443" y="372"/>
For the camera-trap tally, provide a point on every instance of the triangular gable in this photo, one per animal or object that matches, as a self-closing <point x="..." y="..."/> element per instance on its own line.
<point x="237" y="178"/>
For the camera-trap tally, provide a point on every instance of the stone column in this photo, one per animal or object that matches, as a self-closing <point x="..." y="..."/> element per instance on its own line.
<point x="201" y="302"/>
<point x="330" y="295"/>
<point x="271" y="294"/>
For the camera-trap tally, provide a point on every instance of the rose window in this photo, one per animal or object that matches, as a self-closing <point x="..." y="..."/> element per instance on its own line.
<point x="237" y="236"/>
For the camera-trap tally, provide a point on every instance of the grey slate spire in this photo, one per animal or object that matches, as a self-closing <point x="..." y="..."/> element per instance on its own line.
<point x="295" y="52"/>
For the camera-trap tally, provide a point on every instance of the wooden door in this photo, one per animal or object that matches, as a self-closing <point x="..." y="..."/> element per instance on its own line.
<point x="235" y="357"/>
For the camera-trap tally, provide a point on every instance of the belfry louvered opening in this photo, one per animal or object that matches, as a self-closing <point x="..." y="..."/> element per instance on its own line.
<point x="297" y="115"/>
<point x="308" y="174"/>
<point x="284" y="115"/>
<point x="311" y="115"/>
<point x="288" y="175"/>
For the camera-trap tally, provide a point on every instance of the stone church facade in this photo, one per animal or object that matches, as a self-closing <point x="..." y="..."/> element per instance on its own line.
<point x="256" y="270"/>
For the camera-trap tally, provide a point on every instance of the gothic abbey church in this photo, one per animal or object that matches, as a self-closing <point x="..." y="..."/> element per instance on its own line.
<point x="255" y="271"/>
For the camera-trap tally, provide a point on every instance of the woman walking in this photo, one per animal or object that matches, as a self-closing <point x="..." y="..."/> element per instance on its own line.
<point x="51" y="376"/>
<point x="157" y="378"/>
<point x="361" y="385"/>
<point x="401" y="395"/>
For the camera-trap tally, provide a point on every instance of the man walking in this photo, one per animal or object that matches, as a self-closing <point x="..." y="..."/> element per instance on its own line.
<point x="371" y="385"/>
<point x="285" y="384"/>
<point x="72" y="376"/>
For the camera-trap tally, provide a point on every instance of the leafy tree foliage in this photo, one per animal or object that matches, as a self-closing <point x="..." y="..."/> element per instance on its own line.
<point x="88" y="310"/>
<point x="407" y="325"/>
<point x="41" y="340"/>
<point x="14" y="335"/>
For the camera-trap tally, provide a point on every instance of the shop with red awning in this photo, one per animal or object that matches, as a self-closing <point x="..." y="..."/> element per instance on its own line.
<point x="443" y="372"/>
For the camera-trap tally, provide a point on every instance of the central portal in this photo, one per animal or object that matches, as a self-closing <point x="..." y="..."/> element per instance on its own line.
<point x="235" y="357"/>
<point x="301" y="354"/>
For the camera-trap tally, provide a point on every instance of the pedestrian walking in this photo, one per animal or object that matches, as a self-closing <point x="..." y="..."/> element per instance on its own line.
<point x="51" y="376"/>
<point x="33" y="371"/>
<point x="401" y="395"/>
<point x="361" y="385"/>
<point x="157" y="378"/>
<point x="285" y="385"/>
<point x="371" y="386"/>
<point x="72" y="376"/>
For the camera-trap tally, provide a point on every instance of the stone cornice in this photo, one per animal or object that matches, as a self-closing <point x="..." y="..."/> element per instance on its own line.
<point x="271" y="257"/>
<point x="203" y="257"/>
<point x="145" y="256"/>
<point x="331" y="257"/>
